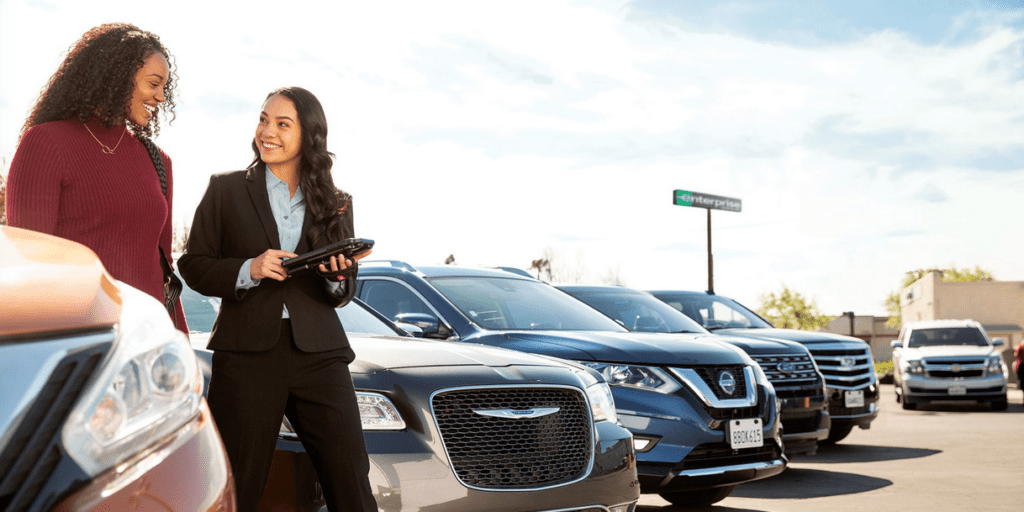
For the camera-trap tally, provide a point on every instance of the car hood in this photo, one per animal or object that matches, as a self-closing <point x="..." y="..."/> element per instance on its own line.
<point x="949" y="350"/>
<point x="379" y="353"/>
<point x="802" y="337"/>
<point x="763" y="346"/>
<point x="33" y="266"/>
<point x="625" y="347"/>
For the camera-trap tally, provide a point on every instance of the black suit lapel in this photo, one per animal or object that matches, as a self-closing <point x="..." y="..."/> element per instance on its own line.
<point x="256" y="180"/>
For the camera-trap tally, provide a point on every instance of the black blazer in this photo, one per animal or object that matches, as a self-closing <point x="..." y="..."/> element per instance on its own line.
<point x="233" y="223"/>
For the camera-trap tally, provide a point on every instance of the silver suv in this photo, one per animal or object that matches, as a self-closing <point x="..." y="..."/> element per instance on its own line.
<point x="948" y="360"/>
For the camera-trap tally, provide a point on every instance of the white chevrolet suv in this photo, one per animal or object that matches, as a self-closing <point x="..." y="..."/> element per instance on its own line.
<point x="948" y="360"/>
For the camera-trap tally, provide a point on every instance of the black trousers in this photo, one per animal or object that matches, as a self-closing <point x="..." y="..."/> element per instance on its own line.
<point x="249" y="394"/>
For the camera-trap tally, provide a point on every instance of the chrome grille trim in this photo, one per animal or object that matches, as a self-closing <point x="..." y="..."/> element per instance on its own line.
<point x="447" y="439"/>
<point x="803" y="371"/>
<point x="830" y="363"/>
<point x="691" y="379"/>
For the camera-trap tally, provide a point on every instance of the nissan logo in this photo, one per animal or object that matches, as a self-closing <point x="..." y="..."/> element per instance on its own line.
<point x="727" y="382"/>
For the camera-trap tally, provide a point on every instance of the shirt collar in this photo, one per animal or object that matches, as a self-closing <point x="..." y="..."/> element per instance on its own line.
<point x="273" y="182"/>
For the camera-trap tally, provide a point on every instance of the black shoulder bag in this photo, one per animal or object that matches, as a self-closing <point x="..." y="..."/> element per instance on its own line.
<point x="172" y="285"/>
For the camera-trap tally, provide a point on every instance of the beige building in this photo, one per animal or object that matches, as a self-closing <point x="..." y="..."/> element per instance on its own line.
<point x="997" y="305"/>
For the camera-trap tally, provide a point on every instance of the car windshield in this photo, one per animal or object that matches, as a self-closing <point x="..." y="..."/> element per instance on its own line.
<point x="638" y="311"/>
<point x="520" y="304"/>
<point x="713" y="312"/>
<point x="201" y="313"/>
<point x="947" y="336"/>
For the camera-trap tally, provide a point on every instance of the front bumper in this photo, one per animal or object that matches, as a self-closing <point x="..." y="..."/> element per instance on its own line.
<point x="919" y="388"/>
<point x="187" y="470"/>
<point x="688" y="450"/>
<point x="408" y="474"/>
<point x="856" y="416"/>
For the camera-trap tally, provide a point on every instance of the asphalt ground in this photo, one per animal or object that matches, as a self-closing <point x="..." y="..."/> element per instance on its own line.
<point x="941" y="457"/>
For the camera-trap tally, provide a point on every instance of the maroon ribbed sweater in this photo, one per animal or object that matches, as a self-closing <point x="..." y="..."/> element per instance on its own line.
<point x="61" y="183"/>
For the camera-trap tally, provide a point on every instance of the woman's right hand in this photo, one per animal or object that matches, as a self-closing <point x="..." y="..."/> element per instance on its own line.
<point x="269" y="265"/>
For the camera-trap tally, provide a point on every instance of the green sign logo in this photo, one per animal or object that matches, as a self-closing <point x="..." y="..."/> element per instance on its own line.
<point x="683" y="198"/>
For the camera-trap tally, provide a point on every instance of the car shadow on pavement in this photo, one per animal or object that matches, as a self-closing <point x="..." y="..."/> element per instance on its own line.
<point x="712" y="508"/>
<point x="797" y="483"/>
<point x="845" y="453"/>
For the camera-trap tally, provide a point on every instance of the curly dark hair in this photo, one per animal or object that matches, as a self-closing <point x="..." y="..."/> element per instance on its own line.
<point x="97" y="78"/>
<point x="323" y="199"/>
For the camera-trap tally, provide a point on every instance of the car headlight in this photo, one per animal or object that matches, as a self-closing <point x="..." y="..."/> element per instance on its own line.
<point x="995" y="365"/>
<point x="915" y="367"/>
<point x="376" y="412"/>
<point x="149" y="386"/>
<point x="602" y="405"/>
<point x="643" y="377"/>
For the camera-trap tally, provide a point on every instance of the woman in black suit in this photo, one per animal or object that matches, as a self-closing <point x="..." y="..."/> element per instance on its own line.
<point x="279" y="347"/>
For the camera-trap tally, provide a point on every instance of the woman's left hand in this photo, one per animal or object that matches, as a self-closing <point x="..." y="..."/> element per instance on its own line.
<point x="343" y="263"/>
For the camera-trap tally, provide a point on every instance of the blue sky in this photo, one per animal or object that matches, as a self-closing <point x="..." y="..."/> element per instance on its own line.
<point x="865" y="139"/>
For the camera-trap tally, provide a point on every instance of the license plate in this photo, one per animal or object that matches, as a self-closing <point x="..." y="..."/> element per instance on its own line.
<point x="855" y="398"/>
<point x="744" y="433"/>
<point x="957" y="391"/>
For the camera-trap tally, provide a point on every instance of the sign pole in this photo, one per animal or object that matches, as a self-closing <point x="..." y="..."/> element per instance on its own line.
<point x="708" y="202"/>
<point x="711" y="264"/>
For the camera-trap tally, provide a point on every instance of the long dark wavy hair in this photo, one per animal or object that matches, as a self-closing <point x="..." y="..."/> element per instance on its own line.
<point x="97" y="78"/>
<point x="323" y="200"/>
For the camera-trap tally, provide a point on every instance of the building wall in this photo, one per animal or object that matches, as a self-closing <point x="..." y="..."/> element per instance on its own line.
<point x="871" y="329"/>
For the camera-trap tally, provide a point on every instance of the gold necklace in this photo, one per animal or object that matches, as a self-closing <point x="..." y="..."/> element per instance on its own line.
<point x="106" y="149"/>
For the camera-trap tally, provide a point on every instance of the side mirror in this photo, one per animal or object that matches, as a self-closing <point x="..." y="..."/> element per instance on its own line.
<point x="428" y="325"/>
<point x="998" y="342"/>
<point x="413" y="330"/>
<point x="896" y="344"/>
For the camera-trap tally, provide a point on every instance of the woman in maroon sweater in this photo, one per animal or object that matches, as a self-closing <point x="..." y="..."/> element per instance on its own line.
<point x="82" y="170"/>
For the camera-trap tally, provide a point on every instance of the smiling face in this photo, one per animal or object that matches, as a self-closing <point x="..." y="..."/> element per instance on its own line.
<point x="279" y="135"/>
<point x="149" y="89"/>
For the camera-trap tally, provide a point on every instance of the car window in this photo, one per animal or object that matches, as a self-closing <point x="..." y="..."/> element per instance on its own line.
<point x="638" y="311"/>
<point x="521" y="304"/>
<point x="947" y="336"/>
<point x="391" y="299"/>
<point x="201" y="313"/>
<point x="714" y="312"/>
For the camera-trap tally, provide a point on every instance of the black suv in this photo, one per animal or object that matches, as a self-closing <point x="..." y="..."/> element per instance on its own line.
<point x="845" y="361"/>
<point x="788" y="365"/>
<point x="703" y="416"/>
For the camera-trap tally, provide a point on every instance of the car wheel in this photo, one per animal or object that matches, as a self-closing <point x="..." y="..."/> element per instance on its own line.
<point x="701" y="498"/>
<point x="908" y="405"/>
<point x="837" y="434"/>
<point x="999" y="405"/>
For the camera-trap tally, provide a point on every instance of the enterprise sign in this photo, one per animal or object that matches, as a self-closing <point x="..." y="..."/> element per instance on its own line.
<point x="699" y="200"/>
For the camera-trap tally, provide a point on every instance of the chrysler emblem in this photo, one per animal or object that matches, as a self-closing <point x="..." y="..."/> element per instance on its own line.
<point x="847" y="362"/>
<point x="787" y="367"/>
<point x="517" y="413"/>
<point x="727" y="382"/>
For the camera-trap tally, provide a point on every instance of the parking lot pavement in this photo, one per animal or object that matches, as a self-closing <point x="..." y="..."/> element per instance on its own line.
<point x="941" y="457"/>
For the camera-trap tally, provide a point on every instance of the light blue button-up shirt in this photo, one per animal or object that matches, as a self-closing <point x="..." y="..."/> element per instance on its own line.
<point x="289" y="214"/>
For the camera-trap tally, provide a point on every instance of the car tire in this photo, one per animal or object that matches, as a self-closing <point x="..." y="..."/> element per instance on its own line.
<point x="999" y="405"/>
<point x="908" y="405"/>
<point x="837" y="434"/>
<point x="701" y="498"/>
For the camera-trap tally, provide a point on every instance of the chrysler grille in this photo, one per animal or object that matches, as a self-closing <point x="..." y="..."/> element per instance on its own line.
<point x="491" y="452"/>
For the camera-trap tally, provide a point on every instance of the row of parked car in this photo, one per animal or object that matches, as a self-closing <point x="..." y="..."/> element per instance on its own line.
<point x="479" y="389"/>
